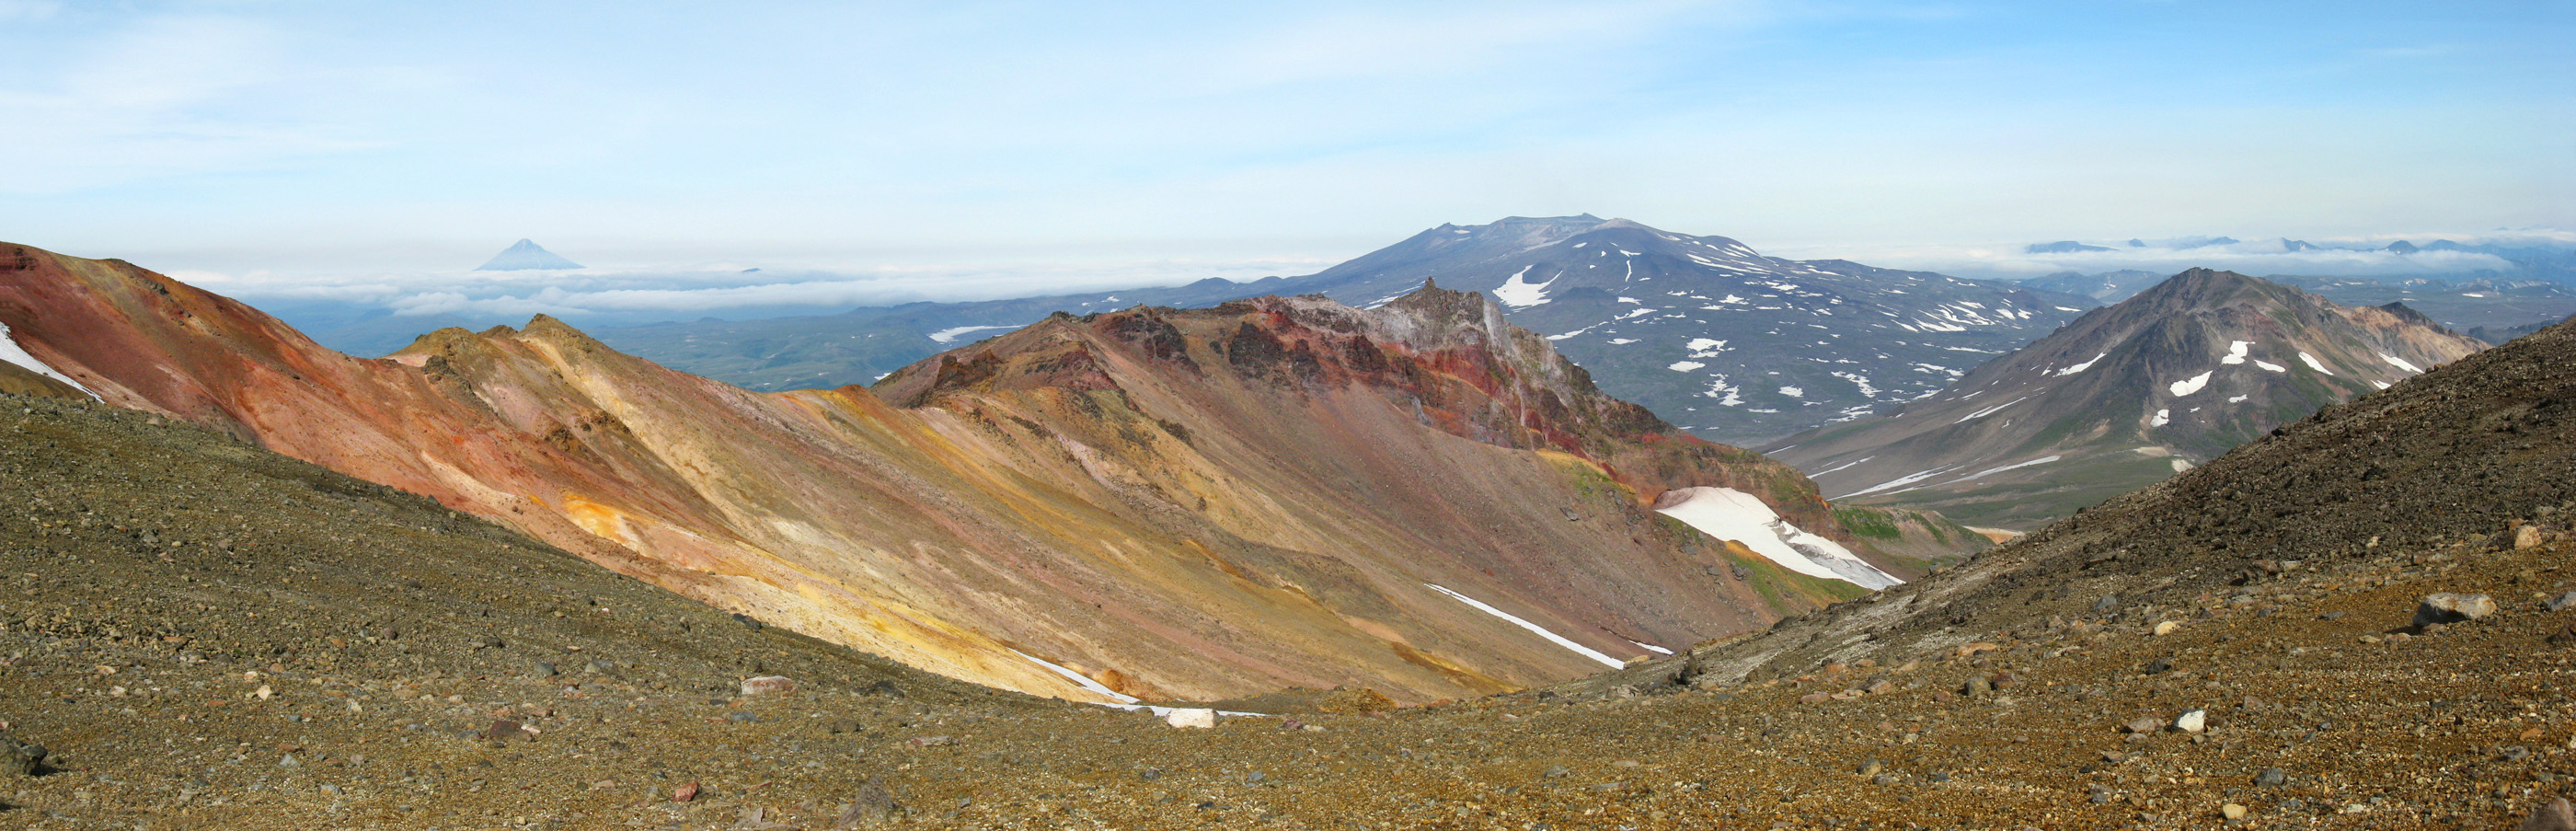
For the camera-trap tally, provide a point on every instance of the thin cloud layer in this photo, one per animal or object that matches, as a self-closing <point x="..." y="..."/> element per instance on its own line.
<point x="721" y="291"/>
<point x="2364" y="256"/>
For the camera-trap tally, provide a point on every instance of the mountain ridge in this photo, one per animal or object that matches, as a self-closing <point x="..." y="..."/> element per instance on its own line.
<point x="1002" y="533"/>
<point x="2177" y="375"/>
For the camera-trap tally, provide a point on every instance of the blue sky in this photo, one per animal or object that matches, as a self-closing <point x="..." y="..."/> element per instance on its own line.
<point x="282" y="143"/>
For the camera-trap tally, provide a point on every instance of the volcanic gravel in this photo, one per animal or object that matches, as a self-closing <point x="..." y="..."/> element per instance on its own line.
<point x="204" y="635"/>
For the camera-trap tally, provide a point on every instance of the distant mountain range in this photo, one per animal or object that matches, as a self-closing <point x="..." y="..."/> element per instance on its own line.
<point x="2121" y="398"/>
<point x="2493" y="310"/>
<point x="1727" y="343"/>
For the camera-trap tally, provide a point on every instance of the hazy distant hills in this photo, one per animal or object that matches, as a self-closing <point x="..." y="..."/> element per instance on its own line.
<point x="2123" y="397"/>
<point x="2107" y="287"/>
<point x="862" y="345"/>
<point x="2494" y="310"/>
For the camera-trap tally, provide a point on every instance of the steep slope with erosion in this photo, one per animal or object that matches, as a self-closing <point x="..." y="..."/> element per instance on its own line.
<point x="1284" y="493"/>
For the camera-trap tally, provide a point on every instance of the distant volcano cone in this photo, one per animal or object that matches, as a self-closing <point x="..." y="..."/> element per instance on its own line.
<point x="525" y="254"/>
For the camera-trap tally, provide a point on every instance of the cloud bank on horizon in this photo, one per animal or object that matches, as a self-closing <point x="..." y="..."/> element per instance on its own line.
<point x="307" y="141"/>
<point x="2362" y="256"/>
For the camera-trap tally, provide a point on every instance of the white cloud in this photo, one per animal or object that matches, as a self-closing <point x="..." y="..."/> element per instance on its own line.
<point x="2355" y="256"/>
<point x="693" y="292"/>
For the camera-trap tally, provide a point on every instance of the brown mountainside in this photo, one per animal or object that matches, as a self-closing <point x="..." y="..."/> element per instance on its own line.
<point x="1171" y="504"/>
<point x="2121" y="398"/>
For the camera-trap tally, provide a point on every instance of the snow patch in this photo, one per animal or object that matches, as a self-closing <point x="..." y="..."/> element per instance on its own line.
<point x="1092" y="686"/>
<point x="2237" y="399"/>
<point x="2084" y="366"/>
<point x="2311" y="361"/>
<point x="1986" y="412"/>
<point x="2163" y="417"/>
<point x="1793" y="392"/>
<point x="10" y="351"/>
<point x="1730" y="514"/>
<point x="950" y="335"/>
<point x="1650" y="647"/>
<point x="1541" y="631"/>
<point x="2015" y="466"/>
<point x="1685" y="366"/>
<point x="1704" y="347"/>
<point x="1521" y="294"/>
<point x="2399" y="363"/>
<point x="2235" y="352"/>
<point x="2190" y="385"/>
<point x="1897" y="482"/>
<point x="1834" y="468"/>
<point x="2271" y="367"/>
<point x="2179" y="465"/>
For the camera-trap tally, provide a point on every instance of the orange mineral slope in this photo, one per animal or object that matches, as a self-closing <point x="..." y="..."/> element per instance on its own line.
<point x="1420" y="499"/>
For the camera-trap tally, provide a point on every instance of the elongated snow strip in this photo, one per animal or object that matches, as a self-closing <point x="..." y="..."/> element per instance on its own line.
<point x="1552" y="637"/>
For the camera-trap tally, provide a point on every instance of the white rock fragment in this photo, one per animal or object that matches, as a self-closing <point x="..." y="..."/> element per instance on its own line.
<point x="767" y="684"/>
<point x="1198" y="717"/>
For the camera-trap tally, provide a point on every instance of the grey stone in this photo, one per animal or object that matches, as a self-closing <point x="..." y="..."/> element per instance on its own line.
<point x="2562" y="602"/>
<point x="1556" y="772"/>
<point x="873" y="805"/>
<point x="2272" y="778"/>
<point x="20" y="758"/>
<point x="2448" y="607"/>
<point x="2108" y="604"/>
<point x="2558" y="815"/>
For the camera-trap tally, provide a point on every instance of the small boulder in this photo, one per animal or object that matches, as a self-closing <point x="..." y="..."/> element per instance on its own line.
<point x="2232" y="812"/>
<point x="766" y="684"/>
<point x="1199" y="717"/>
<point x="2144" y="724"/>
<point x="2527" y="536"/>
<point x="19" y="758"/>
<point x="2166" y="627"/>
<point x="873" y="805"/>
<point x="2562" y="602"/>
<point x="2448" y="607"/>
<point x="2558" y="815"/>
<point x="2192" y="721"/>
<point x="2272" y="778"/>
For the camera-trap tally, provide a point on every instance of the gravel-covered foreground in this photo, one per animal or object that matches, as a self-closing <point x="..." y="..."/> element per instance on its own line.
<point x="204" y="635"/>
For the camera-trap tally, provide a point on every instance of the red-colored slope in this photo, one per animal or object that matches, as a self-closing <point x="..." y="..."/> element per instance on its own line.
<point x="1208" y="507"/>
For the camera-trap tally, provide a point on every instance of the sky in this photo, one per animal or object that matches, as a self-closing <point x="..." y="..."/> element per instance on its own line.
<point x="971" y="149"/>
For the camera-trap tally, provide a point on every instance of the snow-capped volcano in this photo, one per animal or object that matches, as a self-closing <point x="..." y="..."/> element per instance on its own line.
<point x="1709" y="333"/>
<point x="525" y="255"/>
